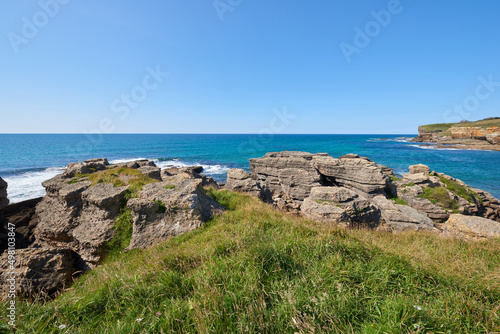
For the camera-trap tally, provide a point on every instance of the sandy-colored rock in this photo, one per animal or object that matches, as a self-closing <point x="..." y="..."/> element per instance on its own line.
<point x="493" y="138"/>
<point x="167" y="209"/>
<point x="422" y="179"/>
<point x="400" y="218"/>
<point x="354" y="172"/>
<point x="470" y="227"/>
<point x="340" y="205"/>
<point x="38" y="270"/>
<point x="239" y="180"/>
<point x="420" y="168"/>
<point x="151" y="171"/>
<point x="289" y="175"/>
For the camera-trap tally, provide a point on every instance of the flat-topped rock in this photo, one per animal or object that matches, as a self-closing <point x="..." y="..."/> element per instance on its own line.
<point x="355" y="173"/>
<point x="288" y="175"/>
<point x="167" y="209"/>
<point x="400" y="218"/>
<point x="420" y="168"/>
<point x="39" y="270"/>
<point x="340" y="205"/>
<point x="471" y="227"/>
<point x="240" y="180"/>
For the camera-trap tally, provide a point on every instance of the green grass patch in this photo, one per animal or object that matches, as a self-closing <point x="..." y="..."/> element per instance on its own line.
<point x="444" y="127"/>
<point x="122" y="176"/>
<point x="170" y="186"/>
<point x="460" y="190"/>
<point x="123" y="234"/>
<point x="439" y="196"/>
<point x="396" y="199"/>
<point x="254" y="269"/>
<point x="161" y="207"/>
<point x="399" y="201"/>
<point x="394" y="178"/>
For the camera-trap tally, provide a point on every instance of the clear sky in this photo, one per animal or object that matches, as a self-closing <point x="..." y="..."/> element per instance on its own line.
<point x="241" y="66"/>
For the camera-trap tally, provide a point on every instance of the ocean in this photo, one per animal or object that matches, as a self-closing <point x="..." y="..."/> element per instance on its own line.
<point x="26" y="160"/>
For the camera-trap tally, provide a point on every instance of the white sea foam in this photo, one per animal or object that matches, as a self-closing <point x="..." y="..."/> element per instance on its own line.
<point x="207" y="169"/>
<point x="431" y="147"/>
<point x="29" y="185"/>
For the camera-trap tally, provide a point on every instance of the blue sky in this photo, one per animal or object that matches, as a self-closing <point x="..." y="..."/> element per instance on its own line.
<point x="86" y="66"/>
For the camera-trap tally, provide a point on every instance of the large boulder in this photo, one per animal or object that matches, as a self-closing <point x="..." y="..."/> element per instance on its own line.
<point x="192" y="172"/>
<point x="413" y="196"/>
<point x="38" y="270"/>
<point x="493" y="138"/>
<point x="21" y="215"/>
<point x="79" y="216"/>
<point x="400" y="218"/>
<point x="471" y="227"/>
<point x="167" y="209"/>
<point x="289" y="175"/>
<point x="354" y="172"/>
<point x="4" y="201"/>
<point x="420" y="168"/>
<point x="342" y="206"/>
<point x="240" y="180"/>
<point x="151" y="171"/>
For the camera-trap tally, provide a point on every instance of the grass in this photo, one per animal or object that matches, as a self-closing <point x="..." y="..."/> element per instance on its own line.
<point x="399" y="201"/>
<point x="170" y="186"/>
<point x="118" y="177"/>
<point x="444" y="127"/>
<point x="439" y="196"/>
<point x="460" y="190"/>
<point x="161" y="207"/>
<point x="123" y="235"/>
<point x="254" y="269"/>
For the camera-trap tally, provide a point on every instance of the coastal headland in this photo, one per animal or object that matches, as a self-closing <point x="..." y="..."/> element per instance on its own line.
<point x="479" y="135"/>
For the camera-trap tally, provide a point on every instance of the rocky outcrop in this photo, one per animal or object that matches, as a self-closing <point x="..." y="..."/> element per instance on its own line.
<point x="342" y="206"/>
<point x="493" y="138"/>
<point x="399" y="218"/>
<point x="290" y="176"/>
<point x="70" y="230"/>
<point x="4" y="201"/>
<point x="480" y="135"/>
<point x="79" y="216"/>
<point x="22" y="215"/>
<point x="240" y="180"/>
<point x="38" y="270"/>
<point x="471" y="227"/>
<point x="354" y="172"/>
<point x="193" y="172"/>
<point x="473" y="132"/>
<point x="330" y="189"/>
<point x="168" y="209"/>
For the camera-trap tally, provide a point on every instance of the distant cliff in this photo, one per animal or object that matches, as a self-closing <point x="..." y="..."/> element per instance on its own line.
<point x="483" y="134"/>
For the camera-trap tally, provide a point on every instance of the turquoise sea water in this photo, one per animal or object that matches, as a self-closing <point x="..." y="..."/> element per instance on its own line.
<point x="27" y="160"/>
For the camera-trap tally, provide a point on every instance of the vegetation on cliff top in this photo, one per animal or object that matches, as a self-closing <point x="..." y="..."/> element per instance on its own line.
<point x="444" y="127"/>
<point x="254" y="269"/>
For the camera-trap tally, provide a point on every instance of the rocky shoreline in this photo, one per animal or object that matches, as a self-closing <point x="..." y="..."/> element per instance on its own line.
<point x="461" y="137"/>
<point x="71" y="229"/>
